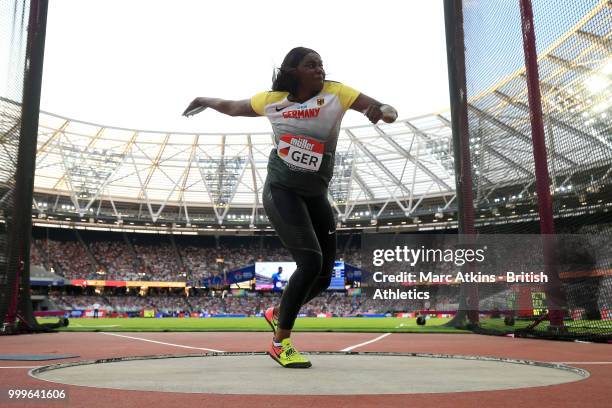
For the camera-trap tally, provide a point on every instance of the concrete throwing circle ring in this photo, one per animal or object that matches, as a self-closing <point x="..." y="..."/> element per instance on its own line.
<point x="333" y="373"/>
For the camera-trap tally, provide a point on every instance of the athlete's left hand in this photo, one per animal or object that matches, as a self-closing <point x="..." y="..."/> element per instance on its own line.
<point x="373" y="113"/>
<point x="373" y="109"/>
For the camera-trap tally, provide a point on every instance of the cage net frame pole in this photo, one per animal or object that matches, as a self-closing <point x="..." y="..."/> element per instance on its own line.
<point x="554" y="296"/>
<point x="20" y="306"/>
<point x="455" y="46"/>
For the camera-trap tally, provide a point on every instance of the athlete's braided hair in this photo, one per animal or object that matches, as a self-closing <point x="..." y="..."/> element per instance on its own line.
<point x="283" y="78"/>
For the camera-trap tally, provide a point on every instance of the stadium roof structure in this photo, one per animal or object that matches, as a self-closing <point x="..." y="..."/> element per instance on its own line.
<point x="406" y="168"/>
<point x="401" y="163"/>
<point x="575" y="78"/>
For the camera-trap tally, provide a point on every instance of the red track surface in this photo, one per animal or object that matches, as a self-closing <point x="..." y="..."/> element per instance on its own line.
<point x="595" y="391"/>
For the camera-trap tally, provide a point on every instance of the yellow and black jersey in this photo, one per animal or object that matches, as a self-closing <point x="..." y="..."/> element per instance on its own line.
<point x="305" y="135"/>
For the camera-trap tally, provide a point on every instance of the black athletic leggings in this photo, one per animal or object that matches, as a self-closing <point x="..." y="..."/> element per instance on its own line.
<point x="306" y="227"/>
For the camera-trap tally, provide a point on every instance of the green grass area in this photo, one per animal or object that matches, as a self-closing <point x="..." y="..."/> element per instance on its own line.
<point x="335" y="324"/>
<point x="603" y="324"/>
<point x="497" y="324"/>
<point x="308" y="324"/>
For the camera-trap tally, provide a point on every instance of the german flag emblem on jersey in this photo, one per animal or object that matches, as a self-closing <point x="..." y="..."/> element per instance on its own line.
<point x="283" y="152"/>
<point x="320" y="101"/>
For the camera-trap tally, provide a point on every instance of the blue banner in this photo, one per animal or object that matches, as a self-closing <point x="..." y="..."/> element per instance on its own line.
<point x="246" y="273"/>
<point x="46" y="282"/>
<point x="352" y="273"/>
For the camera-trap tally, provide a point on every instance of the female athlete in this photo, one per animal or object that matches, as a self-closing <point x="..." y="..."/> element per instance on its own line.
<point x="305" y="111"/>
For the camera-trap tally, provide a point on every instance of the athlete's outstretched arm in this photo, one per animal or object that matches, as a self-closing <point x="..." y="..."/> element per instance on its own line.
<point x="374" y="110"/>
<point x="232" y="108"/>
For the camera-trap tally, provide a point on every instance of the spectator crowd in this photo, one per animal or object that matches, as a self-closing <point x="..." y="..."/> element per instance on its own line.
<point x="164" y="262"/>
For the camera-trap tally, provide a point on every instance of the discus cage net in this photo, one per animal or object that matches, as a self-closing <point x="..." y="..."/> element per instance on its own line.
<point x="22" y="28"/>
<point x="531" y="104"/>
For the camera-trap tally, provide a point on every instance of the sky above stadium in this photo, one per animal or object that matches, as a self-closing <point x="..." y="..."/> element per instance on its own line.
<point x="138" y="63"/>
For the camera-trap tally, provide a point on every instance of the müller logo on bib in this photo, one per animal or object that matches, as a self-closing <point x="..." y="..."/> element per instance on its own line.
<point x="301" y="152"/>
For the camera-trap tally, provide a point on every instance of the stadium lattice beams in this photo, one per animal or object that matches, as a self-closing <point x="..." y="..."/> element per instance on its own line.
<point x="91" y="170"/>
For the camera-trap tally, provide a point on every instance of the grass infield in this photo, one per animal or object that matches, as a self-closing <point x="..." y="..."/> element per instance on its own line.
<point x="313" y="324"/>
<point x="305" y="324"/>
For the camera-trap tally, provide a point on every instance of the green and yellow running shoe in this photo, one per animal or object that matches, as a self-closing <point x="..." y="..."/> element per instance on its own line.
<point x="287" y="356"/>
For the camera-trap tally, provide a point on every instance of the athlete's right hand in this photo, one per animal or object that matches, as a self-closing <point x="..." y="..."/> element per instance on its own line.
<point x="196" y="106"/>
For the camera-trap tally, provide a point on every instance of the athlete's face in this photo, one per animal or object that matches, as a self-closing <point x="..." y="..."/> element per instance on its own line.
<point x="310" y="72"/>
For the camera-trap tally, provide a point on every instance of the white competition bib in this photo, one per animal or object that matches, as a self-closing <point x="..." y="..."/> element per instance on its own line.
<point x="301" y="152"/>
